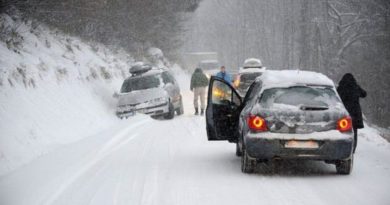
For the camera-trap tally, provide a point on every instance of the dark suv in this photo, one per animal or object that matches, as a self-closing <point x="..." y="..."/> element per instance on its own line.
<point x="285" y="114"/>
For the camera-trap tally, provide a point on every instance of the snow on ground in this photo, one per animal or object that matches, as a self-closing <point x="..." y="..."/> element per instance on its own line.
<point x="88" y="156"/>
<point x="35" y="121"/>
<point x="54" y="89"/>
<point x="146" y="161"/>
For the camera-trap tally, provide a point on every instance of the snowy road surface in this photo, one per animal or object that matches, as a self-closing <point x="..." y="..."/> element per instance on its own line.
<point x="146" y="161"/>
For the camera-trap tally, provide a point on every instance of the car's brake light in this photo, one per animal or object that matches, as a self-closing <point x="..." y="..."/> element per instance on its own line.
<point x="344" y="124"/>
<point x="257" y="123"/>
<point x="237" y="82"/>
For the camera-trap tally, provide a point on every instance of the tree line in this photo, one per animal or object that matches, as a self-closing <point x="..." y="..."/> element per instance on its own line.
<point x="133" y="25"/>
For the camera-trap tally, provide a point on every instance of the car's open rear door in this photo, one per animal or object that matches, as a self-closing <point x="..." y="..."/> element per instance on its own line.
<point x="223" y="109"/>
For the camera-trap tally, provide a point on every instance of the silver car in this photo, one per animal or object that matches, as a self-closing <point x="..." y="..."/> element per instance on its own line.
<point x="149" y="90"/>
<point x="284" y="115"/>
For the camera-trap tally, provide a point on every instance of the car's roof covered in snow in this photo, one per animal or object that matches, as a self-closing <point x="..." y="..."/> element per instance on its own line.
<point x="153" y="71"/>
<point x="289" y="78"/>
<point x="253" y="63"/>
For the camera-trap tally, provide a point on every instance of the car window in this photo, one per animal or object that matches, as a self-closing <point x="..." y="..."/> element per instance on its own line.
<point x="249" y="77"/>
<point x="141" y="83"/>
<point x="252" y="91"/>
<point x="299" y="96"/>
<point x="167" y="78"/>
<point x="224" y="95"/>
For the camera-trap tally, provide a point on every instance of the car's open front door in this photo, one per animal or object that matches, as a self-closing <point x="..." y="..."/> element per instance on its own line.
<point x="223" y="110"/>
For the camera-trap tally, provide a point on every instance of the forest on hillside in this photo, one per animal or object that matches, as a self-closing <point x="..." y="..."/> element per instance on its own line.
<point x="134" y="25"/>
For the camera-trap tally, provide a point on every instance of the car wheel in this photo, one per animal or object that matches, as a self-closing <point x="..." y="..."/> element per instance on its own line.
<point x="180" y="110"/>
<point x="171" y="112"/>
<point x="344" y="166"/>
<point x="238" y="150"/>
<point x="248" y="165"/>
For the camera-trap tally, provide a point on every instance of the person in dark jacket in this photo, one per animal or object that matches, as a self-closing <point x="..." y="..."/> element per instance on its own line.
<point x="199" y="82"/>
<point x="350" y="92"/>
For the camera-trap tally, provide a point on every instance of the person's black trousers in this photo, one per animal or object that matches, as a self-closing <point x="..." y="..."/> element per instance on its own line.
<point x="355" y="136"/>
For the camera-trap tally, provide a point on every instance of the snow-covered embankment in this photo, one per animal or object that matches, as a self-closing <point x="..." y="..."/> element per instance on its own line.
<point x="54" y="89"/>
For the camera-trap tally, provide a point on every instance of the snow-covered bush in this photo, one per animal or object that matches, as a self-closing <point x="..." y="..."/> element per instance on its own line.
<point x="9" y="34"/>
<point x="32" y="52"/>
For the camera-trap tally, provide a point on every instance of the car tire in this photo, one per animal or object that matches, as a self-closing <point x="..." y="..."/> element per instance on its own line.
<point x="171" y="112"/>
<point x="238" y="150"/>
<point x="180" y="110"/>
<point x="248" y="165"/>
<point x="344" y="166"/>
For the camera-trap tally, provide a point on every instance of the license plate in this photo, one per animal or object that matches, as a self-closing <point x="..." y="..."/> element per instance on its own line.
<point x="310" y="144"/>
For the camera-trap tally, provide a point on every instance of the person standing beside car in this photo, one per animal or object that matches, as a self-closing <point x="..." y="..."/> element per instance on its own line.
<point x="224" y="75"/>
<point x="350" y="92"/>
<point x="199" y="82"/>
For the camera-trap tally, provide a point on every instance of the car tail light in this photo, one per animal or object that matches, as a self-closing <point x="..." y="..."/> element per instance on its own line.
<point x="344" y="124"/>
<point x="236" y="82"/>
<point x="257" y="123"/>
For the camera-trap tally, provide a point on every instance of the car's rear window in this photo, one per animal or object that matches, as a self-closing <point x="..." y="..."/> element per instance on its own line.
<point x="249" y="77"/>
<point x="299" y="96"/>
<point x="141" y="83"/>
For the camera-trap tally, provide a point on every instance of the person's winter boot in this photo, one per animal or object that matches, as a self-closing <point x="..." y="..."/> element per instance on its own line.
<point x="201" y="111"/>
<point x="196" y="111"/>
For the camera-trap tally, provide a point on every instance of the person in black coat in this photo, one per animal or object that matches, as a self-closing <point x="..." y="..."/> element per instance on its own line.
<point x="350" y="92"/>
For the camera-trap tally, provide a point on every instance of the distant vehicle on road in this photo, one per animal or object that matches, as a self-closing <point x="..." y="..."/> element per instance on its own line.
<point x="191" y="60"/>
<point x="284" y="115"/>
<point x="209" y="67"/>
<point x="149" y="90"/>
<point x="247" y="74"/>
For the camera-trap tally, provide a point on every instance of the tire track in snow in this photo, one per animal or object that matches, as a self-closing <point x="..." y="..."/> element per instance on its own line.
<point x="138" y="179"/>
<point x="149" y="182"/>
<point x="102" y="181"/>
<point x="110" y="147"/>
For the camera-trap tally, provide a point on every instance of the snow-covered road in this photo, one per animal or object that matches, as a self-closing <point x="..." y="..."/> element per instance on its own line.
<point x="56" y="90"/>
<point x="146" y="161"/>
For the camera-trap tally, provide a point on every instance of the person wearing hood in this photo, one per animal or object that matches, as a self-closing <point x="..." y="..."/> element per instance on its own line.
<point x="199" y="82"/>
<point x="350" y="92"/>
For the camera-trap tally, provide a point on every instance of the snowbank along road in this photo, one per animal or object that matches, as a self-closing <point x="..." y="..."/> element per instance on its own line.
<point x="146" y="161"/>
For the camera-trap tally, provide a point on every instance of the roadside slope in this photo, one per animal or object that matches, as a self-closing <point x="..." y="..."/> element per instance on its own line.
<point x="54" y="89"/>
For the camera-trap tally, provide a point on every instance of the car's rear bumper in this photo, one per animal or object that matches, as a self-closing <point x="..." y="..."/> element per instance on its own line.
<point x="153" y="111"/>
<point x="332" y="145"/>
